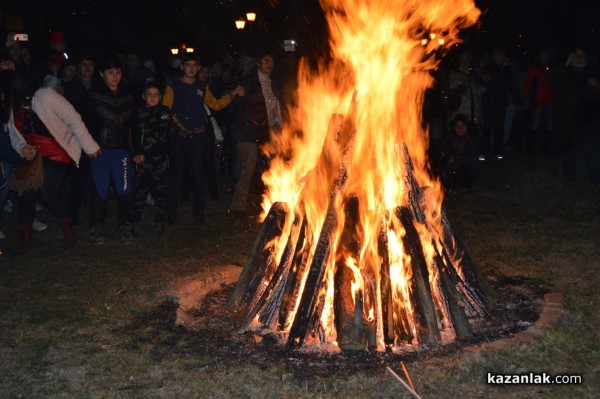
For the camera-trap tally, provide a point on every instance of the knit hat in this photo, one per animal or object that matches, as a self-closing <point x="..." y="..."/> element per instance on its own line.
<point x="57" y="37"/>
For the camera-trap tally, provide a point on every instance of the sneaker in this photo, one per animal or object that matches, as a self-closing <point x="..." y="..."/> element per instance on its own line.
<point x="2" y="236"/>
<point x="498" y="156"/>
<point x="38" y="226"/>
<point x="159" y="228"/>
<point x="96" y="236"/>
<point x="482" y="157"/>
<point x="136" y="229"/>
<point x="126" y="233"/>
<point x="9" y="207"/>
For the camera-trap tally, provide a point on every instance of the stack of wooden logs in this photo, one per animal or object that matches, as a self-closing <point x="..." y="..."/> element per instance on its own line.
<point x="288" y="294"/>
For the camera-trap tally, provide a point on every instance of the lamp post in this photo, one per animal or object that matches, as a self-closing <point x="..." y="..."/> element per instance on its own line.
<point x="240" y="23"/>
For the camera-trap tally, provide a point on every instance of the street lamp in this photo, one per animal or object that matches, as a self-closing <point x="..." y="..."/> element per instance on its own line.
<point x="251" y="16"/>
<point x="240" y="23"/>
<point x="174" y="51"/>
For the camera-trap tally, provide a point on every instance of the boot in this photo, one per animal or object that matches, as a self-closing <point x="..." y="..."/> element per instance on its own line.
<point x="25" y="236"/>
<point x="68" y="232"/>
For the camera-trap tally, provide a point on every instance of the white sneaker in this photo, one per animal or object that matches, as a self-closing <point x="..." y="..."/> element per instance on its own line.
<point x="2" y="236"/>
<point x="38" y="226"/>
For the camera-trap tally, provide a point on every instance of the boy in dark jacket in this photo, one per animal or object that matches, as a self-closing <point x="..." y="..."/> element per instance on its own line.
<point x="153" y="125"/>
<point x="111" y="128"/>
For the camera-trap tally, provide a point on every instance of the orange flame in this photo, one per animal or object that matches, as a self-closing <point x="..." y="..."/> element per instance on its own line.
<point x="383" y="51"/>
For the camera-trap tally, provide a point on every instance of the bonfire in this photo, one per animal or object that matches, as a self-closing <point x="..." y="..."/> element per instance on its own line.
<point x="355" y="251"/>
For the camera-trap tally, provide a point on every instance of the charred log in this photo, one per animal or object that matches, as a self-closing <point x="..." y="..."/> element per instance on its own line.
<point x="461" y="260"/>
<point x="424" y="315"/>
<point x="277" y="286"/>
<point x="453" y="301"/>
<point x="348" y="305"/>
<point x="260" y="266"/>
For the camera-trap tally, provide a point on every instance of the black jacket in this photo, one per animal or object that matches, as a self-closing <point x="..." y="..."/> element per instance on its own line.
<point x="113" y="114"/>
<point x="251" y="111"/>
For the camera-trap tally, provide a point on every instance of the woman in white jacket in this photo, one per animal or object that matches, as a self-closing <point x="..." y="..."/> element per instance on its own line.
<point x="51" y="123"/>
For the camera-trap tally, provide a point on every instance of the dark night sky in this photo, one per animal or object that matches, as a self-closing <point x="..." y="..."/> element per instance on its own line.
<point x="153" y="26"/>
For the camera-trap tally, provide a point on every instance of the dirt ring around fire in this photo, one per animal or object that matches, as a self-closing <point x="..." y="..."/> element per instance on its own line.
<point x="525" y="309"/>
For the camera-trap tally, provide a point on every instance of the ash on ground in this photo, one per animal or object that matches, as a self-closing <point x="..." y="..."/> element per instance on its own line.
<point x="212" y="337"/>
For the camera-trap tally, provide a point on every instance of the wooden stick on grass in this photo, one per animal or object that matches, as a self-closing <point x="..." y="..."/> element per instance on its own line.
<point x="407" y="376"/>
<point x="404" y="384"/>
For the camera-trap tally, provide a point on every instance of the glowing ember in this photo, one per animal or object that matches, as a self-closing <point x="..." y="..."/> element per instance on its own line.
<point x="356" y="249"/>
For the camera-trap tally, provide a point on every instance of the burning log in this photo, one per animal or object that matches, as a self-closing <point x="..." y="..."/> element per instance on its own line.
<point x="476" y="287"/>
<point x="424" y="317"/>
<point x="310" y="300"/>
<point x="260" y="265"/>
<point x="293" y="286"/>
<point x="348" y="302"/>
<point x="395" y="320"/>
<point x="275" y="291"/>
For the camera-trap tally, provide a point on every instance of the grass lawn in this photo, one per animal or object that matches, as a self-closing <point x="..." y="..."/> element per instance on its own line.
<point x="88" y="322"/>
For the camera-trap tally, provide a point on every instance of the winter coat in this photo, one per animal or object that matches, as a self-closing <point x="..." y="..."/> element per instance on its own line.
<point x="251" y="111"/>
<point x="63" y="122"/>
<point x="111" y="127"/>
<point x="536" y="88"/>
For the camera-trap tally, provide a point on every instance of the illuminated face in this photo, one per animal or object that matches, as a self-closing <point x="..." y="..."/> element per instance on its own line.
<point x="111" y="77"/>
<point x="190" y="69"/>
<point x="152" y="97"/>
<point x="266" y="64"/>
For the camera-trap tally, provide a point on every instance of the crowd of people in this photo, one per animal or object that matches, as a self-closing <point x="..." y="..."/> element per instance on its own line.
<point x="121" y="127"/>
<point x="484" y="103"/>
<point x="114" y="127"/>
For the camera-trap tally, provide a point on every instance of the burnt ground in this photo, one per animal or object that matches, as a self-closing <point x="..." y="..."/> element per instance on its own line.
<point x="214" y="337"/>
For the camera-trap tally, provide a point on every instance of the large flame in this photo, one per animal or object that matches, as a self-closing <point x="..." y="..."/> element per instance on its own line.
<point x="383" y="52"/>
